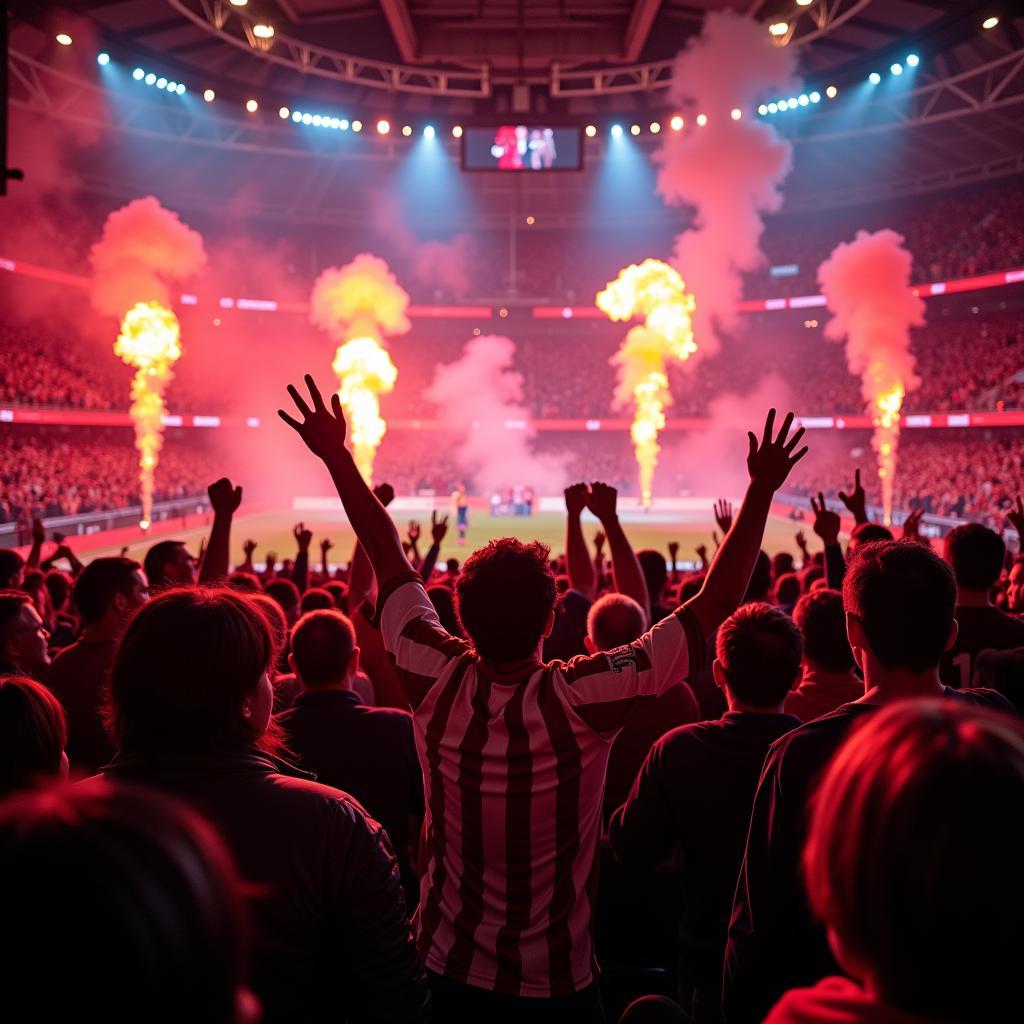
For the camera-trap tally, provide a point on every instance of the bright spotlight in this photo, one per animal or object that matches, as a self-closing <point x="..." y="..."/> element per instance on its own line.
<point x="773" y="108"/>
<point x="457" y="131"/>
<point x="252" y="106"/>
<point x="616" y="131"/>
<point x="990" y="22"/>
<point x="913" y="60"/>
<point x="702" y="119"/>
<point x="209" y="95"/>
<point x="804" y="99"/>
<point x="284" y="113"/>
<point x="296" y="116"/>
<point x="103" y="59"/>
<point x="735" y="113"/>
<point x="64" y="39"/>
<point x="357" y="126"/>
<point x="317" y="120"/>
<point x="343" y="124"/>
<point x="590" y="130"/>
<point x="180" y="90"/>
<point x="634" y="129"/>
<point x="831" y="92"/>
<point x="778" y="28"/>
<point x="874" y="78"/>
<point x="407" y="130"/>
<point x="307" y="118"/>
<point x="263" y="31"/>
<point x="815" y="96"/>
<point x="896" y="69"/>
<point x="429" y="132"/>
<point x="239" y="3"/>
<point x="655" y="127"/>
<point x="161" y="82"/>
<point x="383" y="126"/>
<point x="804" y="3"/>
<point x="172" y="86"/>
<point x="763" y="109"/>
<point x="677" y="123"/>
<point x="531" y="220"/>
<point x="792" y="103"/>
<point x="150" y="78"/>
<point x="138" y="74"/>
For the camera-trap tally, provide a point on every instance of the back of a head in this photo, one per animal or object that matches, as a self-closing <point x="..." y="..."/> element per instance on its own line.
<point x="59" y="584"/>
<point x="787" y="589"/>
<point x="183" y="668"/>
<point x="760" y="585"/>
<point x="285" y="593"/>
<point x="614" y="621"/>
<point x="245" y="582"/>
<point x="11" y="567"/>
<point x="322" y="646"/>
<point x="904" y="596"/>
<point x="809" y="577"/>
<point x="655" y="571"/>
<point x="976" y="554"/>
<point x="821" y="619"/>
<point x="868" y="533"/>
<point x="339" y="593"/>
<point x="760" y="650"/>
<point x="315" y="599"/>
<point x="132" y="895"/>
<point x="99" y="583"/>
<point x="913" y="858"/>
<point x="157" y="560"/>
<point x="33" y="733"/>
<point x="504" y="596"/>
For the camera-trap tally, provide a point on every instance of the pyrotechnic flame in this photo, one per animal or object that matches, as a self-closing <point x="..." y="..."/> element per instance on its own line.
<point x="357" y="304"/>
<point x="885" y="441"/>
<point x="149" y="341"/>
<point x="365" y="371"/>
<point x="655" y="291"/>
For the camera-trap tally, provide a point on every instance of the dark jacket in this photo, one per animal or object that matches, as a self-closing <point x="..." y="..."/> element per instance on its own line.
<point x="331" y="939"/>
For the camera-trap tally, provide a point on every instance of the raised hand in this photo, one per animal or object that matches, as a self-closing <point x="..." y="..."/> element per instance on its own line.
<point x="716" y="539"/>
<point x="602" y="501"/>
<point x="414" y="531"/>
<point x="384" y="493"/>
<point x="723" y="515"/>
<point x="223" y="497"/>
<point x="857" y="500"/>
<point x="770" y="462"/>
<point x="438" y="528"/>
<point x="599" y="539"/>
<point x="249" y="547"/>
<point x="322" y="430"/>
<point x="912" y="525"/>
<point x="1016" y="518"/>
<point x="271" y="561"/>
<point x="303" y="537"/>
<point x="38" y="531"/>
<point x="576" y="499"/>
<point x="673" y="550"/>
<point x="826" y="522"/>
<point x="702" y="553"/>
<point x="801" y="542"/>
<point x="325" y="545"/>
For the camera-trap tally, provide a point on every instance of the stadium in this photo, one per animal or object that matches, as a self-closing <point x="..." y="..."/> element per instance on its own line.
<point x="524" y="245"/>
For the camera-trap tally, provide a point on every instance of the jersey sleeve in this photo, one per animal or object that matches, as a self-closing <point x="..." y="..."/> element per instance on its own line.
<point x="414" y="638"/>
<point x="603" y="688"/>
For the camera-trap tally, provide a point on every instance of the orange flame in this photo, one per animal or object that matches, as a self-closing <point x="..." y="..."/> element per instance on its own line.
<point x="150" y="340"/>
<point x="654" y="290"/>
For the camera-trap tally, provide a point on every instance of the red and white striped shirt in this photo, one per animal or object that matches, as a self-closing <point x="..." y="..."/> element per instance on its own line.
<point x="514" y="768"/>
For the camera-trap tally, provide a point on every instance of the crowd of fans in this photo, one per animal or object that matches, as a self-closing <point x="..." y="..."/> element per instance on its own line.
<point x="410" y="790"/>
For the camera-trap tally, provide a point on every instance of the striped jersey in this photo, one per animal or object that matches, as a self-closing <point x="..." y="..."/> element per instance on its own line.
<point x="514" y="767"/>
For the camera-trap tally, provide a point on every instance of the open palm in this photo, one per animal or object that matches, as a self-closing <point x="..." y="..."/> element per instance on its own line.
<point x="323" y="430"/>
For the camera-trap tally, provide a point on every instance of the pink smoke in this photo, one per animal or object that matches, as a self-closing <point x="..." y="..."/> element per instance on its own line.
<point x="730" y="171"/>
<point x="144" y="248"/>
<point x="866" y="283"/>
<point x="479" y="397"/>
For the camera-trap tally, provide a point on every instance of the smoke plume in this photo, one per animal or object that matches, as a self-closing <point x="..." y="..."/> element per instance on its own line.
<point x="357" y="305"/>
<point x="479" y="397"/>
<point x="731" y="171"/>
<point x="867" y="285"/>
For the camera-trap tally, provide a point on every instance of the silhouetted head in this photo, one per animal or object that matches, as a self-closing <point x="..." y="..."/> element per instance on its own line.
<point x="33" y="734"/>
<point x="758" y="655"/>
<point x="112" y="587"/>
<point x="613" y="621"/>
<point x="168" y="564"/>
<point x="323" y="649"/>
<point x="976" y="555"/>
<point x="821" y="619"/>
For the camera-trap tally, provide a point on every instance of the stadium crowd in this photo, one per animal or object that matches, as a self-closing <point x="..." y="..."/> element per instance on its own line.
<point x="409" y="790"/>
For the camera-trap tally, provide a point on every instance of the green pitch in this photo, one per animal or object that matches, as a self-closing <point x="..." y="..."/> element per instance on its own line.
<point x="272" y="532"/>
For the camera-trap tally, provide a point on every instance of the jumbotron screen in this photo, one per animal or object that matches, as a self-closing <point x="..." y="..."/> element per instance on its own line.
<point x="522" y="147"/>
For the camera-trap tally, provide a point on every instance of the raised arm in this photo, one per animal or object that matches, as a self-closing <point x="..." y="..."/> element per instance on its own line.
<point x="577" y="558"/>
<point x="826" y="526"/>
<point x="438" y="529"/>
<point x="36" y="551"/>
<point x="629" y="577"/>
<point x="325" y="546"/>
<point x="300" y="571"/>
<point x="856" y="501"/>
<point x="323" y="431"/>
<point x="768" y="463"/>
<point x="225" y="499"/>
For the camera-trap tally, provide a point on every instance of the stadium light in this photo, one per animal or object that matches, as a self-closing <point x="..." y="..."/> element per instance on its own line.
<point x="263" y="31"/>
<point x="702" y="119"/>
<point x="103" y="59"/>
<point x="913" y="60"/>
<point x="804" y="99"/>
<point x="150" y="78"/>
<point x="343" y="124"/>
<point x="804" y="3"/>
<point x="161" y="82"/>
<point x="655" y="127"/>
<point x="457" y="131"/>
<point x="815" y="96"/>
<point x="896" y="69"/>
<point x="252" y="106"/>
<point x="874" y="78"/>
<point x="239" y="3"/>
<point x="407" y="130"/>
<point x="307" y="118"/>
<point x="773" y="108"/>
<point x="138" y="74"/>
<point x="64" y="39"/>
<point x="990" y="22"/>
<point x="763" y="109"/>
<point x="317" y="120"/>
<point x="616" y="131"/>
<point x="172" y="86"/>
<point x="778" y="28"/>
<point x="284" y="113"/>
<point x="296" y="116"/>
<point x="209" y="95"/>
<point x="383" y="126"/>
<point x="429" y="132"/>
<point x="677" y="123"/>
<point x="831" y="92"/>
<point x="357" y="126"/>
<point x="181" y="89"/>
<point x="735" y="113"/>
<point x="634" y="129"/>
<point x="590" y="131"/>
